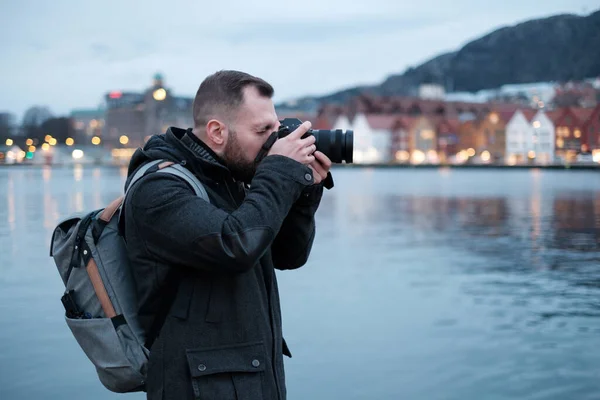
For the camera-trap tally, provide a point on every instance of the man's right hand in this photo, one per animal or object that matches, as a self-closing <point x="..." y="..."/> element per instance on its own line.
<point x="294" y="147"/>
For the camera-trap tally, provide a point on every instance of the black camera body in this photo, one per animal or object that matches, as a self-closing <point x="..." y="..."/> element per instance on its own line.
<point x="336" y="144"/>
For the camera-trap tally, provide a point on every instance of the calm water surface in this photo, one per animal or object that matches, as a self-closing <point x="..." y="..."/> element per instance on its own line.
<point x="423" y="284"/>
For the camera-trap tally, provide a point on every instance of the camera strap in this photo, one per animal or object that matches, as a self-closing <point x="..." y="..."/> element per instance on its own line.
<point x="266" y="147"/>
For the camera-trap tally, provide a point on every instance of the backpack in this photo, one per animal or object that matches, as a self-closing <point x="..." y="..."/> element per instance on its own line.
<point x="100" y="299"/>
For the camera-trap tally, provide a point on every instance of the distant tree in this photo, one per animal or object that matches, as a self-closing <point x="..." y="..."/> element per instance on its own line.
<point x="569" y="98"/>
<point x="6" y="127"/>
<point x="59" y="128"/>
<point x="33" y="119"/>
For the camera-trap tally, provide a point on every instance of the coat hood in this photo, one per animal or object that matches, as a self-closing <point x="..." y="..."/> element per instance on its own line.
<point x="176" y="145"/>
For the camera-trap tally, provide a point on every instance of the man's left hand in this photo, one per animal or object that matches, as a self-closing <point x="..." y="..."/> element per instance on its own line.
<point x="320" y="166"/>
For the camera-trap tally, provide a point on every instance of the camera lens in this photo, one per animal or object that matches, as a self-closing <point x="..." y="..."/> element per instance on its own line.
<point x="336" y="144"/>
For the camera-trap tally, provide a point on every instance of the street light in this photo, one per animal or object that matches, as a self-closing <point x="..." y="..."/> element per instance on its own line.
<point x="159" y="94"/>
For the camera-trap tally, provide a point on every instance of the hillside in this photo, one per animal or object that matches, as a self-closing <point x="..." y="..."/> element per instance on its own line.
<point x="558" y="48"/>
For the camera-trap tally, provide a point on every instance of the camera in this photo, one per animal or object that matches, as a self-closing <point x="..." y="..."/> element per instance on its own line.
<point x="336" y="144"/>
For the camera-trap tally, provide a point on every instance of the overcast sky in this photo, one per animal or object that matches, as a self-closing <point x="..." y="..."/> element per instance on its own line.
<point x="67" y="53"/>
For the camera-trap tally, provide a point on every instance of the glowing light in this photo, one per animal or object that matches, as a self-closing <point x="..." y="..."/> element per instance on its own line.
<point x="485" y="156"/>
<point x="69" y="142"/>
<point x="53" y="142"/>
<point x="432" y="156"/>
<point x="28" y="142"/>
<point x="577" y="133"/>
<point x="512" y="160"/>
<point x="47" y="138"/>
<point x="462" y="156"/>
<point x="77" y="154"/>
<point x="159" y="94"/>
<point x="45" y="147"/>
<point x="123" y="139"/>
<point x="596" y="156"/>
<point x="402" y="155"/>
<point x="96" y="140"/>
<point x="9" y="142"/>
<point x="418" y="157"/>
<point x="10" y="155"/>
<point x="531" y="154"/>
<point x="537" y="124"/>
<point x="93" y="124"/>
<point x="31" y="149"/>
<point x="494" y="118"/>
<point x="115" y="95"/>
<point x="22" y="154"/>
<point x="471" y="152"/>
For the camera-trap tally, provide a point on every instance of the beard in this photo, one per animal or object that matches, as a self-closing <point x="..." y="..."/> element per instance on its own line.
<point x="241" y="169"/>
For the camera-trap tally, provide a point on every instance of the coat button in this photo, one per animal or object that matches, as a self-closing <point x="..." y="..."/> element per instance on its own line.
<point x="255" y="363"/>
<point x="308" y="177"/>
<point x="202" y="367"/>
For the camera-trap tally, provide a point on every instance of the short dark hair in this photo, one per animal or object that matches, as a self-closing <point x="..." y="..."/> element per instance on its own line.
<point x="222" y="92"/>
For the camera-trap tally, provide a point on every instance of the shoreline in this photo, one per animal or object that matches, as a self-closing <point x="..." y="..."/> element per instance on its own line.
<point x="586" y="167"/>
<point x="568" y="167"/>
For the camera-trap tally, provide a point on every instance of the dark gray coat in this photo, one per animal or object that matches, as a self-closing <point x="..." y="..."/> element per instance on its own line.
<point x="222" y="336"/>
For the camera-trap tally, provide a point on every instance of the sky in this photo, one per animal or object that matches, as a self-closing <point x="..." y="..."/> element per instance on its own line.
<point x="66" y="54"/>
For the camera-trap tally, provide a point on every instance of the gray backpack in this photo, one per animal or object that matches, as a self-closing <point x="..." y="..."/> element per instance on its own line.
<point x="100" y="299"/>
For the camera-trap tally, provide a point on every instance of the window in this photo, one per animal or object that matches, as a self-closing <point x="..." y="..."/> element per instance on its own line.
<point x="562" y="131"/>
<point x="414" y="110"/>
<point x="427" y="134"/>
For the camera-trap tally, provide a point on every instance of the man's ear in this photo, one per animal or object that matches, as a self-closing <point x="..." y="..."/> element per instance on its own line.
<point x="215" y="131"/>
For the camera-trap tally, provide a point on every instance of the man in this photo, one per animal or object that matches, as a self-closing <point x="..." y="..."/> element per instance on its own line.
<point x="211" y="265"/>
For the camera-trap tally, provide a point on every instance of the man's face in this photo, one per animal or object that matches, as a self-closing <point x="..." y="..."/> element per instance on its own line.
<point x="255" y="120"/>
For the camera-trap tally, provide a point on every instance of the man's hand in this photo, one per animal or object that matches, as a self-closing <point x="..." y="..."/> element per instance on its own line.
<point x="320" y="167"/>
<point x="296" y="148"/>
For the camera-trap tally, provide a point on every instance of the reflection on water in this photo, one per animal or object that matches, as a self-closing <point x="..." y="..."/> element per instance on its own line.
<point x="423" y="284"/>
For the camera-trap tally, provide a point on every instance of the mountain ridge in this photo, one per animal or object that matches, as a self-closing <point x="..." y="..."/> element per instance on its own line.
<point x="556" y="48"/>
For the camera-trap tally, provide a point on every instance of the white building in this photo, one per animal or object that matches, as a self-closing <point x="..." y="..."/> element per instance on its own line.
<point x="431" y="91"/>
<point x="543" y="138"/>
<point x="529" y="138"/>
<point x="372" y="136"/>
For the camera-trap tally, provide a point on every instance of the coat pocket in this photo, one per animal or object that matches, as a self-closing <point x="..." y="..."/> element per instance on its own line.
<point x="228" y="372"/>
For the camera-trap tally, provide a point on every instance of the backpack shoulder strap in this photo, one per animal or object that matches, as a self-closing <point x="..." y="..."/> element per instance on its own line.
<point x="163" y="166"/>
<point x="172" y="168"/>
<point x="182" y="172"/>
<point x="140" y="173"/>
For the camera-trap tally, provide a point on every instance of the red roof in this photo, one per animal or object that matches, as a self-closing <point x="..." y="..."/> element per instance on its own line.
<point x="582" y="114"/>
<point x="554" y="115"/>
<point x="381" y="121"/>
<point x="506" y="116"/>
<point x="404" y="122"/>
<point x="322" y="122"/>
<point x="529" y="114"/>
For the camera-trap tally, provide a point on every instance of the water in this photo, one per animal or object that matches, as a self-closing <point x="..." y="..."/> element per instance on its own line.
<point x="423" y="284"/>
